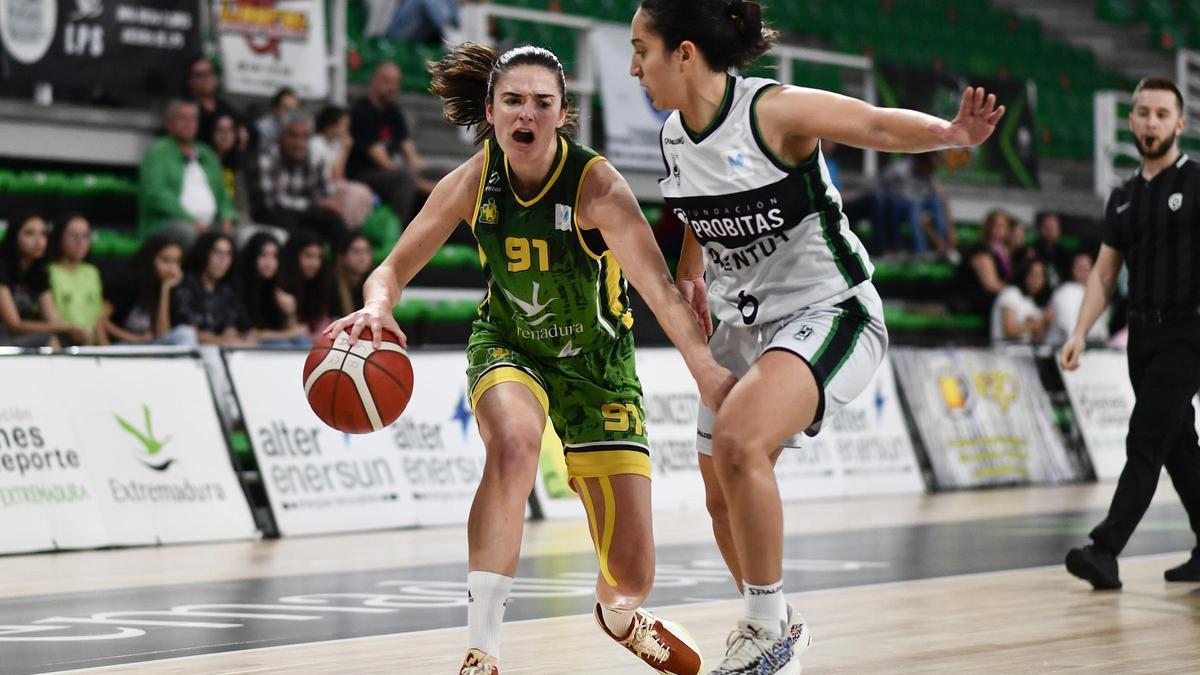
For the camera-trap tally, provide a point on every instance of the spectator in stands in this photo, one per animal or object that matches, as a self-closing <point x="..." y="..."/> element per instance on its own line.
<point x="1047" y="248"/>
<point x="269" y="126"/>
<point x="138" y="309"/>
<point x="75" y="282"/>
<point x="225" y="143"/>
<point x="202" y="87"/>
<point x="986" y="267"/>
<point x="28" y="317"/>
<point x="352" y="262"/>
<point x="304" y="274"/>
<point x="909" y="192"/>
<point x="293" y="189"/>
<point x="383" y="155"/>
<point x="425" y="21"/>
<point x="1067" y="300"/>
<point x="1018" y="250"/>
<point x="331" y="144"/>
<point x="181" y="189"/>
<point x="1018" y="316"/>
<point x="271" y="311"/>
<point x="206" y="299"/>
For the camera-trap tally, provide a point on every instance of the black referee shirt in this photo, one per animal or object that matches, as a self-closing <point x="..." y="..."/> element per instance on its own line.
<point x="1153" y="224"/>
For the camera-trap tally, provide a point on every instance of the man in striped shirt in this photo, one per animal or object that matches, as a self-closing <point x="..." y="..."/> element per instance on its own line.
<point x="292" y="188"/>
<point x="1151" y="224"/>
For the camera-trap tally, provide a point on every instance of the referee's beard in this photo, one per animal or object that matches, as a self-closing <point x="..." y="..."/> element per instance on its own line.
<point x="1161" y="148"/>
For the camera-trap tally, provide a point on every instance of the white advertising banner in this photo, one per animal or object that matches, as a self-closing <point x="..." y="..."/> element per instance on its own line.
<point x="266" y="45"/>
<point x="631" y="124"/>
<point x="984" y="417"/>
<point x="863" y="449"/>
<point x="113" y="451"/>
<point x="422" y="470"/>
<point x="1102" y="398"/>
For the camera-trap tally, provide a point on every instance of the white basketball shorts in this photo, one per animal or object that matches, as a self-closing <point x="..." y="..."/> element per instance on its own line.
<point x="843" y="344"/>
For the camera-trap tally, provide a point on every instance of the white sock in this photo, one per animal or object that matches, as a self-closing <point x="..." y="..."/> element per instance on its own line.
<point x="766" y="606"/>
<point x="618" y="621"/>
<point x="488" y="596"/>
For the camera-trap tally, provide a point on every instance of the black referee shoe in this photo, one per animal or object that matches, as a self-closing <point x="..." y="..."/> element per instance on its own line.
<point x="1188" y="571"/>
<point x="1097" y="567"/>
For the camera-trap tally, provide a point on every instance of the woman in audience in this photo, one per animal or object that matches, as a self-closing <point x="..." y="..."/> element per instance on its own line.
<point x="75" y="282"/>
<point x="138" y="310"/>
<point x="986" y="266"/>
<point x="205" y="299"/>
<point x="271" y="311"/>
<point x="1018" y="316"/>
<point x="352" y="261"/>
<point x="331" y="145"/>
<point x="28" y="317"/>
<point x="304" y="274"/>
<point x="225" y="142"/>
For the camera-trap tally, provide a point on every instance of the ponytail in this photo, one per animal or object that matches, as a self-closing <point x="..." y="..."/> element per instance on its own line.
<point x="729" y="33"/>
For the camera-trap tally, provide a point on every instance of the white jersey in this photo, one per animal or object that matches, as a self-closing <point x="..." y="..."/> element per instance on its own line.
<point x="775" y="239"/>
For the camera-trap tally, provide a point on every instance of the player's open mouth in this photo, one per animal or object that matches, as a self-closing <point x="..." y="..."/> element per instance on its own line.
<point x="523" y="136"/>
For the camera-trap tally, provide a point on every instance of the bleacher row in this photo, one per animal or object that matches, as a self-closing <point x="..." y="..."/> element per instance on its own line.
<point x="1173" y="23"/>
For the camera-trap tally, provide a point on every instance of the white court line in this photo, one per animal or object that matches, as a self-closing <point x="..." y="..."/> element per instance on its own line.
<point x="663" y="609"/>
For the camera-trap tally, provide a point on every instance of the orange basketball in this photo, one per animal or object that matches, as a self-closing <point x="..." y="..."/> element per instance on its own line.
<point x="358" y="389"/>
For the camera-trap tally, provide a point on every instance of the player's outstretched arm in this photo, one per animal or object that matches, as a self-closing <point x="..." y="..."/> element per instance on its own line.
<point x="607" y="204"/>
<point x="1099" y="289"/>
<point x="451" y="202"/>
<point x="794" y="112"/>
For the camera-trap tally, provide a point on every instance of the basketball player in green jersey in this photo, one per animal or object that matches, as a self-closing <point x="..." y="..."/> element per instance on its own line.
<point x="556" y="226"/>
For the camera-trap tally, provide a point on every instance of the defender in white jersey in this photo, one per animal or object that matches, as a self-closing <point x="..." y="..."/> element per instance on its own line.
<point x="800" y="321"/>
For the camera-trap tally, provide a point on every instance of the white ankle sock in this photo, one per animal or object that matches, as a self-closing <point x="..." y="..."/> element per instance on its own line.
<point x="488" y="595"/>
<point x="765" y="605"/>
<point x="618" y="621"/>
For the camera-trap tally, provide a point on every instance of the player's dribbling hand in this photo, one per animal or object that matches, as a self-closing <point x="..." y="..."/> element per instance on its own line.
<point x="976" y="120"/>
<point x="1071" y="351"/>
<point x="695" y="292"/>
<point x="373" y="316"/>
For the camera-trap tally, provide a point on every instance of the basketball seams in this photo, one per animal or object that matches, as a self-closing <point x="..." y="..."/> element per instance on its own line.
<point x="335" y="358"/>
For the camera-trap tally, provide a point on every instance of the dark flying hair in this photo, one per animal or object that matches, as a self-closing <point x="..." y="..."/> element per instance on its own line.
<point x="729" y="33"/>
<point x="465" y="80"/>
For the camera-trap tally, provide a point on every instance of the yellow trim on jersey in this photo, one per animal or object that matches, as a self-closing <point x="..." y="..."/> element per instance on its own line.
<point x="487" y="159"/>
<point x="612" y="281"/>
<point x="509" y="374"/>
<point x="575" y="213"/>
<point x="562" y="161"/>
<point x="599" y="463"/>
<point x="600" y="542"/>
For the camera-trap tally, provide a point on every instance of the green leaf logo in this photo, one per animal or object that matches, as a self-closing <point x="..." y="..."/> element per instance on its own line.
<point x="150" y="444"/>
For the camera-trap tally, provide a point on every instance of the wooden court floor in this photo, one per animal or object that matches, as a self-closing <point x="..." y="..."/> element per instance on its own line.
<point x="1032" y="620"/>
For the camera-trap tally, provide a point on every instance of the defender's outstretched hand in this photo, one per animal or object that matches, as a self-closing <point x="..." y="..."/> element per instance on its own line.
<point x="976" y="120"/>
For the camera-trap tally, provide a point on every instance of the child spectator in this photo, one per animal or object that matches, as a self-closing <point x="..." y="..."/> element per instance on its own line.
<point x="205" y="299"/>
<point x="304" y="275"/>
<point x="331" y="146"/>
<point x="352" y="261"/>
<point x="1017" y="315"/>
<point x="75" y="282"/>
<point x="138" y="310"/>
<point x="271" y="311"/>
<point x="1067" y="301"/>
<point x="28" y="317"/>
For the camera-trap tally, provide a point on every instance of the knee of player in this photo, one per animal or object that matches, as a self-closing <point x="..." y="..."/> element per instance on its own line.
<point x="513" y="453"/>
<point x="718" y="509"/>
<point x="633" y="574"/>
<point x="733" y="451"/>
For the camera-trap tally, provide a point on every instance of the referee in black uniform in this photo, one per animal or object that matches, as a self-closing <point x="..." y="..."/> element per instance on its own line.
<point x="1152" y="224"/>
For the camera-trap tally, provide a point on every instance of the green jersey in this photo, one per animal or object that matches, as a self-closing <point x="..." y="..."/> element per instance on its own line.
<point x="554" y="289"/>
